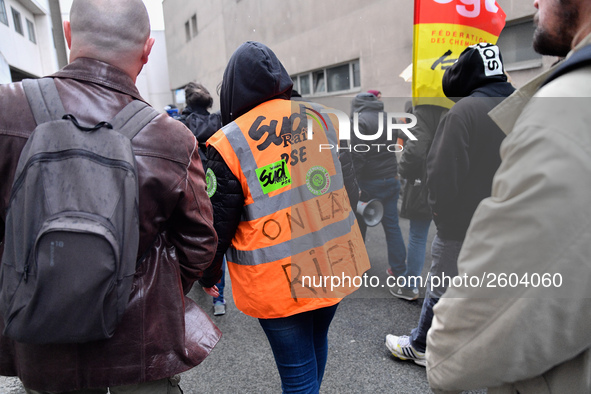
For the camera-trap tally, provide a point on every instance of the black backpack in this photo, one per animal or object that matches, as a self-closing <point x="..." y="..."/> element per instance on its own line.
<point x="72" y="226"/>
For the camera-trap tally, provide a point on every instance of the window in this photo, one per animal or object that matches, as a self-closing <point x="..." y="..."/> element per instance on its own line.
<point x="3" y="15"/>
<point x="31" y="31"/>
<point x="191" y="24"/>
<point x="356" y="74"/>
<point x="516" y="43"/>
<point x="337" y="79"/>
<point x="319" y="85"/>
<point x="194" y="24"/>
<point x="16" y="18"/>
<point x="187" y="31"/>
<point x="304" y="84"/>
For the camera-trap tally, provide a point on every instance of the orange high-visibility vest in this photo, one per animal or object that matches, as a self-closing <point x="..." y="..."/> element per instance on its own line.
<point x="298" y="246"/>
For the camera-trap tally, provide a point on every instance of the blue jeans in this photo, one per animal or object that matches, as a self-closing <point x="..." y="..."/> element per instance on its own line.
<point x="445" y="254"/>
<point x="221" y="284"/>
<point x="417" y="245"/>
<point x="388" y="190"/>
<point x="300" y="347"/>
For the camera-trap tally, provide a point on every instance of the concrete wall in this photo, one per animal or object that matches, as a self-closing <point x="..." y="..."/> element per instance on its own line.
<point x="4" y="70"/>
<point x="306" y="35"/>
<point x="204" y="57"/>
<point x="517" y="9"/>
<point x="153" y="82"/>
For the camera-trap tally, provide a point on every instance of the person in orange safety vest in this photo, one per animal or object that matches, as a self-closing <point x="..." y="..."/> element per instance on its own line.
<point x="282" y="213"/>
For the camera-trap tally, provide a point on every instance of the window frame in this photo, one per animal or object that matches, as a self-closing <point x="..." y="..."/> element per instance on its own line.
<point x="187" y="31"/>
<point x="321" y="74"/>
<point x="3" y="13"/>
<point x="194" y="25"/>
<point x="536" y="61"/>
<point x="18" y="23"/>
<point x="31" y="31"/>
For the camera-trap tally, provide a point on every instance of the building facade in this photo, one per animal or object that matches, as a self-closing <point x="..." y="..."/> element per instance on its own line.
<point x="30" y="42"/>
<point x="32" y="45"/>
<point x="332" y="48"/>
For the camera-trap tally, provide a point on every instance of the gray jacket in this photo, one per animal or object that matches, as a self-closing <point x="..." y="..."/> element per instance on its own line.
<point x="532" y="240"/>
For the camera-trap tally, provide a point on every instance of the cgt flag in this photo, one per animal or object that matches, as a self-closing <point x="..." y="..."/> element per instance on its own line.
<point x="442" y="30"/>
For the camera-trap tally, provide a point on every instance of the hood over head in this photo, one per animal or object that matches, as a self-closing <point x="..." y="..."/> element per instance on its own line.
<point x="478" y="65"/>
<point x="253" y="76"/>
<point x="366" y="102"/>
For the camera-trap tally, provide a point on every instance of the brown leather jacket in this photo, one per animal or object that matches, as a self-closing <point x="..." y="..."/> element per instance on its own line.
<point x="162" y="332"/>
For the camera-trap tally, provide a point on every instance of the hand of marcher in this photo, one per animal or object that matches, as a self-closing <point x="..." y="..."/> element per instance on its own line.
<point x="212" y="291"/>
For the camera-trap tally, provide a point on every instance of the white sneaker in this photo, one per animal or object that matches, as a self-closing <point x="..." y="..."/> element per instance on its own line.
<point x="219" y="308"/>
<point x="400" y="347"/>
<point x="405" y="293"/>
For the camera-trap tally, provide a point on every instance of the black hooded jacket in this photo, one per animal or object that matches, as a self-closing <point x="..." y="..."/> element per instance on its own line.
<point x="465" y="155"/>
<point x="254" y="75"/>
<point x="377" y="162"/>
<point x="202" y="124"/>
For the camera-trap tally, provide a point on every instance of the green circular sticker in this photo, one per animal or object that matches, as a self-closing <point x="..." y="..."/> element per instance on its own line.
<point x="212" y="182"/>
<point x="318" y="180"/>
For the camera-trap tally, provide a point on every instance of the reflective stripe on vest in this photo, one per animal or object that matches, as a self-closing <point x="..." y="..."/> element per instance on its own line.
<point x="297" y="221"/>
<point x="291" y="247"/>
<point x="269" y="205"/>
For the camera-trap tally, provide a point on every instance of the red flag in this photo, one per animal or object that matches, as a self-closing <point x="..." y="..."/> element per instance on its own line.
<point x="442" y="30"/>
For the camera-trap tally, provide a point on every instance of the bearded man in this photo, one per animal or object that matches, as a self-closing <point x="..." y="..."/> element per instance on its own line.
<point x="526" y="329"/>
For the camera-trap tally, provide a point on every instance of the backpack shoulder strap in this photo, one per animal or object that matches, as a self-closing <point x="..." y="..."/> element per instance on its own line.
<point x="133" y="117"/>
<point x="43" y="99"/>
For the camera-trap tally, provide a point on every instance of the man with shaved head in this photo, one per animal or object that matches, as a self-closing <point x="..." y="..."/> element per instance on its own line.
<point x="162" y="332"/>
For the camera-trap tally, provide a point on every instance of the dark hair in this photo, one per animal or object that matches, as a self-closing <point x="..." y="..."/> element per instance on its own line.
<point x="196" y="95"/>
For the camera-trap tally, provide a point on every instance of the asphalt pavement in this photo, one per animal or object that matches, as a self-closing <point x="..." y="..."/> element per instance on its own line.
<point x="358" y="361"/>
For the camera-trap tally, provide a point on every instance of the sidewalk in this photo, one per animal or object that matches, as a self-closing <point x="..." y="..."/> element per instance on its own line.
<point x="358" y="361"/>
